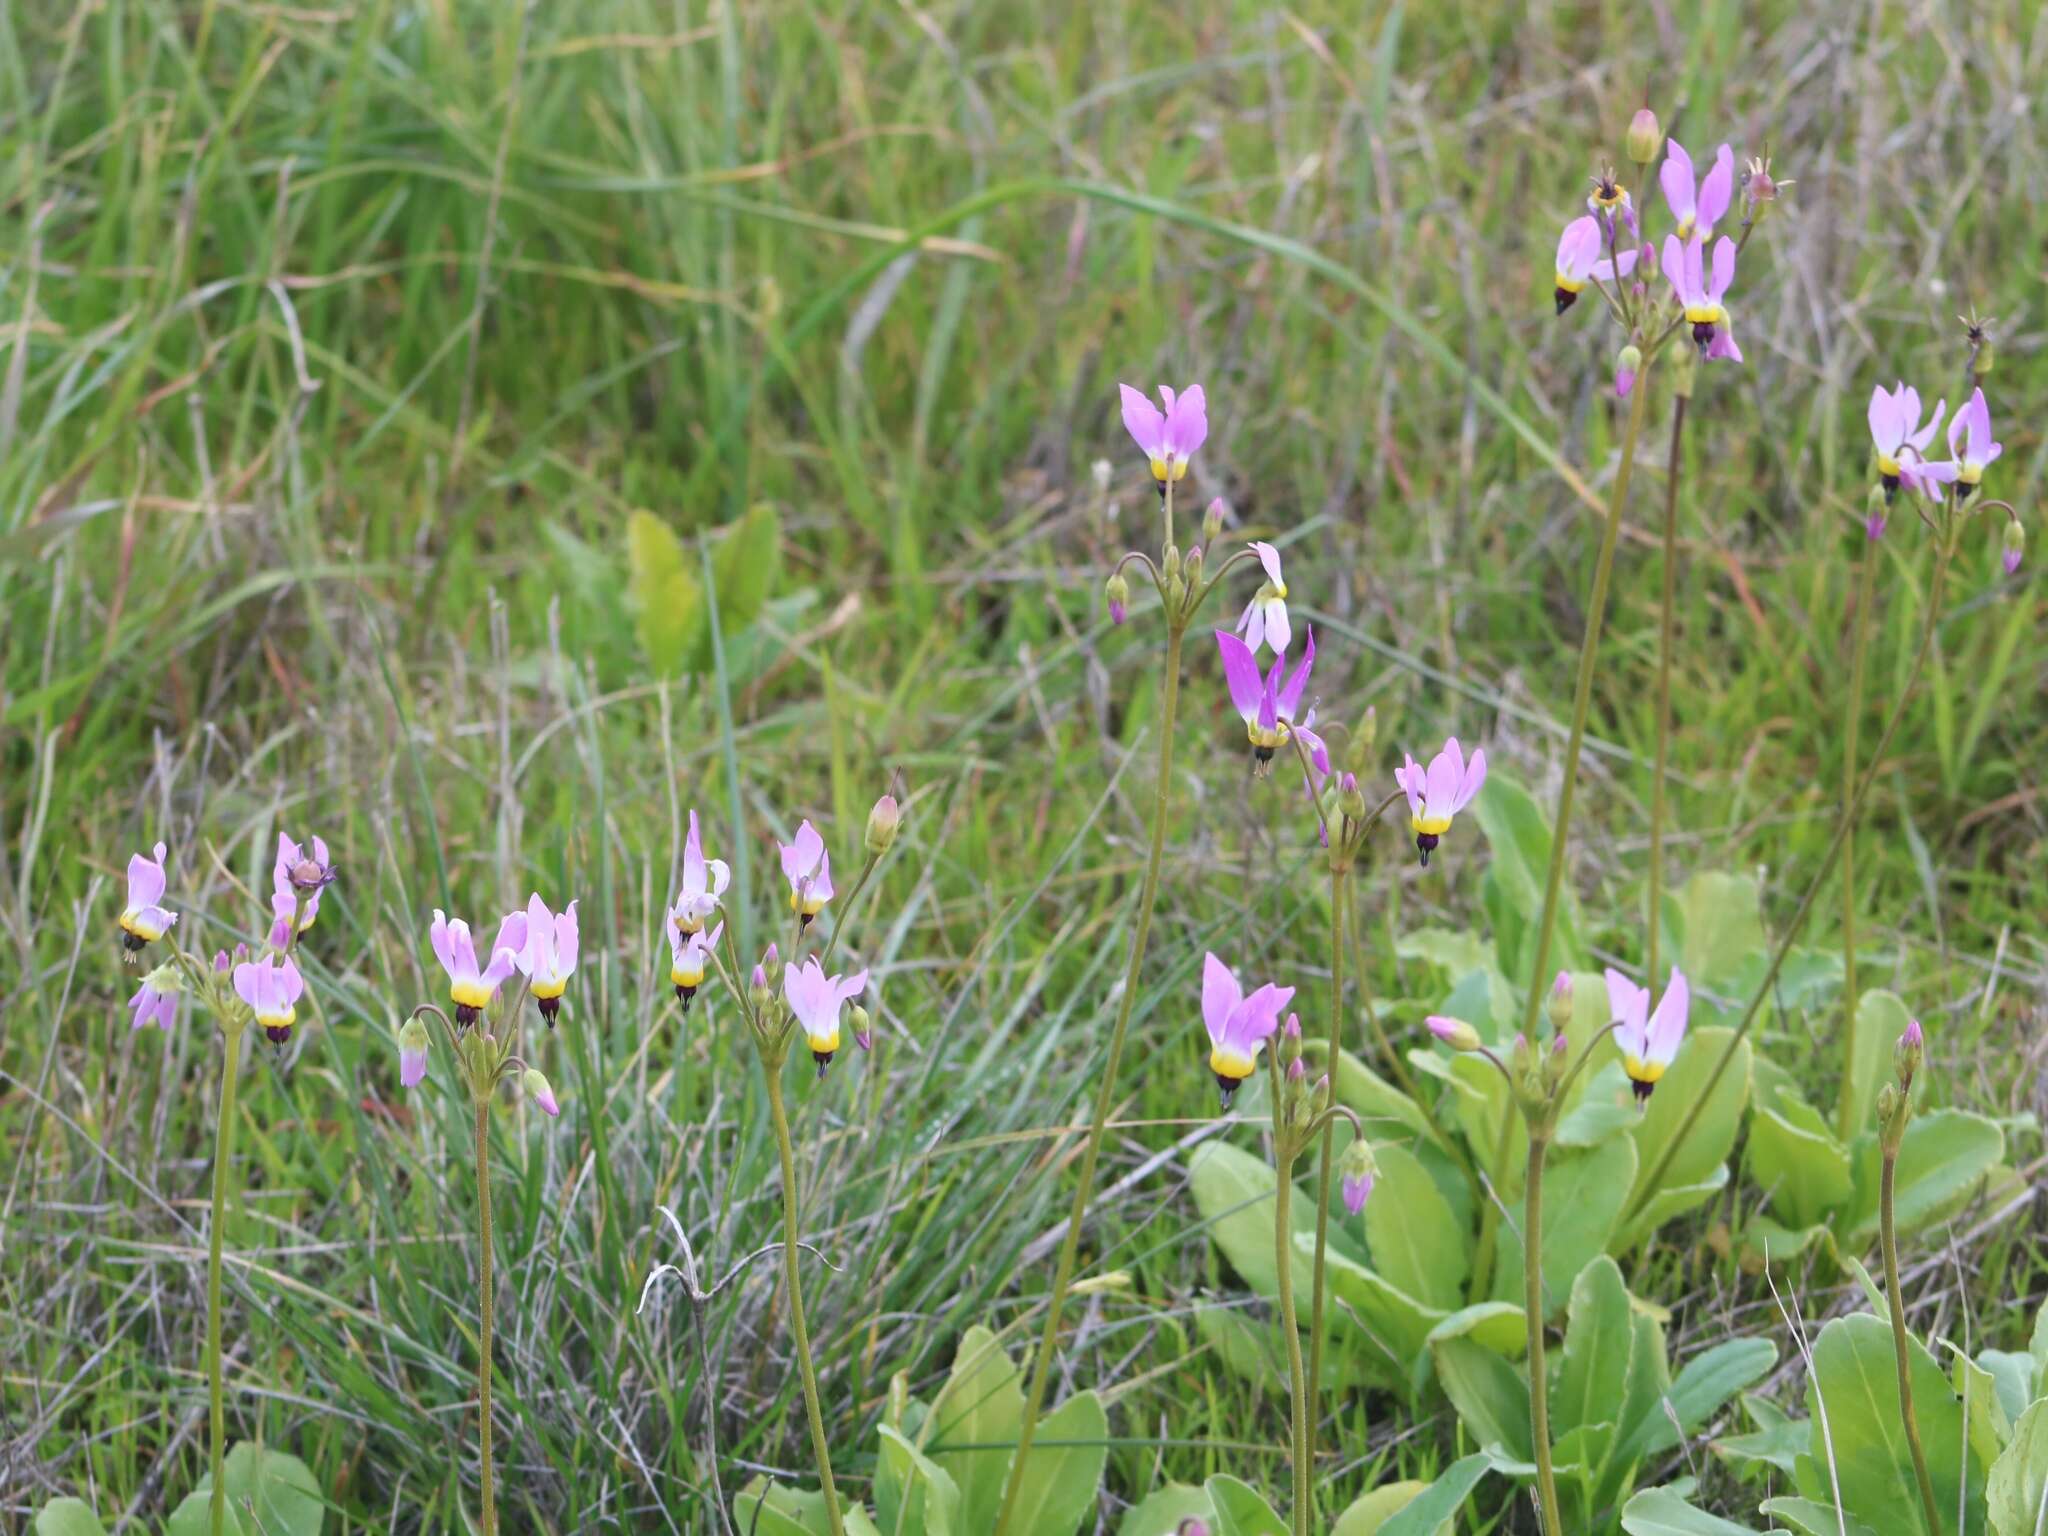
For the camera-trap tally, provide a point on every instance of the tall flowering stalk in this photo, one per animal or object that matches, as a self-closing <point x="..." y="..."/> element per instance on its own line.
<point x="781" y="1002"/>
<point x="1894" y="1109"/>
<point x="237" y="991"/>
<point x="1972" y="451"/>
<point x="1539" y="1079"/>
<point x="539" y="947"/>
<point x="1168" y="438"/>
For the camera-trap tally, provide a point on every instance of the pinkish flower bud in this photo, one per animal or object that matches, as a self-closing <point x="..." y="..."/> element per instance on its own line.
<point x="883" y="821"/>
<point x="1560" y="1005"/>
<point x="1192" y="1526"/>
<point x="2015" y="546"/>
<point x="1360" y="1174"/>
<point x="1645" y="136"/>
<point x="221" y="963"/>
<point x="540" y="1092"/>
<point x="1455" y="1033"/>
<point x="412" y="1053"/>
<point x="1626" y="367"/>
<point x="863" y="1027"/>
<point x="1875" y="508"/>
<point x="1909" y="1052"/>
<point x="1118" y="592"/>
<point x="1212" y="520"/>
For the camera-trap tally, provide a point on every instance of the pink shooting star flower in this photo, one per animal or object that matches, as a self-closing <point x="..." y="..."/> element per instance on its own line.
<point x="816" y="999"/>
<point x="145" y="920"/>
<point x="1264" y="620"/>
<point x="1970" y="444"/>
<point x="1648" y="1040"/>
<point x="284" y="907"/>
<point x="156" y="1000"/>
<point x="1579" y="260"/>
<point x="549" y="954"/>
<point x="808" y="868"/>
<point x="1700" y="291"/>
<point x="1696" y="209"/>
<point x="271" y="987"/>
<point x="1435" y="796"/>
<point x="473" y="989"/>
<point x="692" y="955"/>
<point x="302" y="873"/>
<point x="1167" y="438"/>
<point x="1609" y="201"/>
<point x="1901" y="439"/>
<point x="1238" y="1024"/>
<point x="1268" y="706"/>
<point x="704" y="882"/>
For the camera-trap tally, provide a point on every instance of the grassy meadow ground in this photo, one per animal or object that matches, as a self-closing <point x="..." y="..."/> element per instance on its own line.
<point x="341" y="344"/>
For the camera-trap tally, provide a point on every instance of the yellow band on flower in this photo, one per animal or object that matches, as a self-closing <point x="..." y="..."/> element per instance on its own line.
<point x="1642" y="1071"/>
<point x="1569" y="284"/>
<point x="470" y="994"/>
<point x="546" y="989"/>
<point x="147" y="931"/>
<point x="1429" y="826"/>
<point x="825" y="1044"/>
<point x="1226" y="1063"/>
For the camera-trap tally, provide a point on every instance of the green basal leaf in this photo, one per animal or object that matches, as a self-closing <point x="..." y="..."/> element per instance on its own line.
<point x="1796" y="1162"/>
<point x="68" y="1517"/>
<point x="270" y="1493"/>
<point x="2017" y="1494"/>
<point x="980" y="1405"/>
<point x="1943" y="1162"/>
<point x="1241" y="1511"/>
<point x="668" y="600"/>
<point x="1161" y="1512"/>
<point x="1660" y="1512"/>
<point x="1430" y="1512"/>
<point x="1414" y="1241"/>
<point x="1491" y="1396"/>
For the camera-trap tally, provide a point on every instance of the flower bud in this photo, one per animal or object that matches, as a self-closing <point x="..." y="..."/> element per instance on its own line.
<point x="1909" y="1052"/>
<point x="1212" y="520"/>
<point x="1350" y="798"/>
<point x="1290" y="1044"/>
<point x="863" y="1027"/>
<point x="1554" y="1061"/>
<point x="2015" y="545"/>
<point x="883" y="821"/>
<point x="1983" y="356"/>
<point x="1560" y="1004"/>
<point x="1645" y="136"/>
<point x="1192" y="1526"/>
<point x="1887" y="1104"/>
<point x="1626" y="366"/>
<point x="220" y="962"/>
<point x="537" y="1089"/>
<point x="412" y="1052"/>
<point x="1118" y="593"/>
<point x="1360" y="1173"/>
<point x="1875" y="508"/>
<point x="1171" y="564"/>
<point x="1191" y="568"/>
<point x="1320" y="1095"/>
<point x="1455" y="1033"/>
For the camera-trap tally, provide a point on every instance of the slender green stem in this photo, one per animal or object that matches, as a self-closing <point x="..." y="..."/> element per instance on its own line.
<point x="1889" y="1233"/>
<point x="223" y="1152"/>
<point x="1944" y="552"/>
<point x="1582" y="699"/>
<point x="846" y="907"/>
<point x="1339" y="898"/>
<point x="1859" y="649"/>
<point x="1063" y="1273"/>
<point x="1664" y="682"/>
<point x="1290" y="1329"/>
<point x="1532" y="1296"/>
<point x="820" y="1449"/>
<point x="485" y="1303"/>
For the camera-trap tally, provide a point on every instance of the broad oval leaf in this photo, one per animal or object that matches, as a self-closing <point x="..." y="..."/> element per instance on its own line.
<point x="1797" y="1163"/>
<point x="1414" y="1241"/>
<point x="2018" y="1489"/>
<point x="68" y="1517"/>
<point x="270" y="1493"/>
<point x="1660" y="1512"/>
<point x="1241" y="1510"/>
<point x="980" y="1406"/>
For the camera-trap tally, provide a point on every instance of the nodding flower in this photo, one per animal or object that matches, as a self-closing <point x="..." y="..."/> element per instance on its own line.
<point x="1437" y="795"/>
<point x="1969" y="445"/>
<point x="816" y="999"/>
<point x="412" y="1053"/>
<point x="144" y="920"/>
<point x="808" y="868"/>
<point x="692" y="954"/>
<point x="1267" y="706"/>
<point x="1361" y="1172"/>
<point x="303" y="873"/>
<point x="271" y="987"/>
<point x="156" y="1000"/>
<point x="1700" y="291"/>
<point x="471" y="989"/>
<point x="1238" y="1024"/>
<point x="1579" y="260"/>
<point x="1264" y="620"/>
<point x="1696" y="209"/>
<point x="1901" y="440"/>
<point x="549" y="954"/>
<point x="704" y="881"/>
<point x="1167" y="438"/>
<point x="538" y="1089"/>
<point x="1649" y="1040"/>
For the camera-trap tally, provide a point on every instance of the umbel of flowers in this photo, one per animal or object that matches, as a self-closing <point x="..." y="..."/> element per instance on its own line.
<point x="532" y="955"/>
<point x="236" y="990"/>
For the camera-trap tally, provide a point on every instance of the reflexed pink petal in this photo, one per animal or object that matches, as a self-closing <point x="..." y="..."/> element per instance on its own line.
<point x="1717" y="189"/>
<point x="1142" y="419"/>
<point x="1220" y="996"/>
<point x="1724" y="273"/>
<point x="412" y="1068"/>
<point x="1269" y="559"/>
<point x="1666" y="1026"/>
<point x="1675" y="176"/>
<point x="1187" y="422"/>
<point x="1475" y="775"/>
<point x="1446" y="774"/>
<point x="1240" y="675"/>
<point x="1288" y="703"/>
<point x="1412" y="779"/>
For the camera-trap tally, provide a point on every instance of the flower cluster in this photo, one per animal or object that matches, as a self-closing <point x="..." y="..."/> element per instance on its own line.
<point x="537" y="944"/>
<point x="1608" y="248"/>
<point x="1900" y="437"/>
